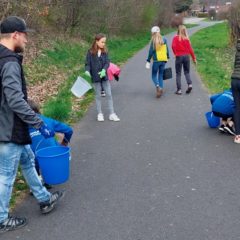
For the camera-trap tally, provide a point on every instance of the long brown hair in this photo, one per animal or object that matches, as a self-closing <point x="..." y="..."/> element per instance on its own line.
<point x="94" y="48"/>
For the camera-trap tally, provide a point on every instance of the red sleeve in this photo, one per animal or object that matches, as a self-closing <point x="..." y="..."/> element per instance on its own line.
<point x="174" y="45"/>
<point x="190" y="50"/>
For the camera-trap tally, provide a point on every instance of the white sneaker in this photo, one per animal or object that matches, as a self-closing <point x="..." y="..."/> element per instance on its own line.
<point x="114" y="117"/>
<point x="100" y="117"/>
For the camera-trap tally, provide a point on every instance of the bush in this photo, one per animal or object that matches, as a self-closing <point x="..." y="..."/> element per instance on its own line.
<point x="202" y="14"/>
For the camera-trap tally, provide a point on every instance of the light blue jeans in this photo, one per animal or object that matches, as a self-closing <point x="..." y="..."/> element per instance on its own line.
<point x="157" y="73"/>
<point x="107" y="87"/>
<point x="10" y="156"/>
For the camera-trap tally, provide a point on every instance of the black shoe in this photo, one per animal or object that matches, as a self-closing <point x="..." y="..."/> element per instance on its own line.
<point x="178" y="92"/>
<point x="12" y="223"/>
<point x="221" y="129"/>
<point x="189" y="90"/>
<point x="103" y="94"/>
<point x="229" y="129"/>
<point x="48" y="206"/>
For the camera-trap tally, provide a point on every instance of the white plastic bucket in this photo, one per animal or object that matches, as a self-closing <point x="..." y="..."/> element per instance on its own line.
<point x="80" y="87"/>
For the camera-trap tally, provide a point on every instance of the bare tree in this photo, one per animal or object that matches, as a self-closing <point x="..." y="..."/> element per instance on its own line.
<point x="234" y="21"/>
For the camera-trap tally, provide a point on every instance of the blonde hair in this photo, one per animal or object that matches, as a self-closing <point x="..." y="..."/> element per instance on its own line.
<point x="182" y="32"/>
<point x="157" y="40"/>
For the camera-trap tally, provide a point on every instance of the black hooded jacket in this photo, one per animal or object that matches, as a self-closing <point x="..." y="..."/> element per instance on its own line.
<point x="15" y="113"/>
<point x="95" y="64"/>
<point x="236" y="70"/>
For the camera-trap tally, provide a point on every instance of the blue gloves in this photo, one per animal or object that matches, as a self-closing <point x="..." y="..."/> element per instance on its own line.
<point x="46" y="132"/>
<point x="102" y="73"/>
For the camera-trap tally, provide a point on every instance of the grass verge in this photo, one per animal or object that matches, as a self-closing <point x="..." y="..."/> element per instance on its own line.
<point x="215" y="56"/>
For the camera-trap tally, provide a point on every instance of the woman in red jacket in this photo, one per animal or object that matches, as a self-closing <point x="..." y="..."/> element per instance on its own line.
<point x="182" y="48"/>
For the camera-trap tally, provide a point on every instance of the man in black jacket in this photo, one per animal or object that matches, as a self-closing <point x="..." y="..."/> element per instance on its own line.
<point x="235" y="84"/>
<point x="15" y="117"/>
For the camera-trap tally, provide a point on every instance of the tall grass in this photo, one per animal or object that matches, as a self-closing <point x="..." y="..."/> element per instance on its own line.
<point x="215" y="56"/>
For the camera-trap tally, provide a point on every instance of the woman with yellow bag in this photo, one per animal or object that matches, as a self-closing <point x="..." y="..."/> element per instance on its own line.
<point x="159" y="53"/>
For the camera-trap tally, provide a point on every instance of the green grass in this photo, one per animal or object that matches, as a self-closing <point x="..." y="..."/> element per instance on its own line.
<point x="215" y="56"/>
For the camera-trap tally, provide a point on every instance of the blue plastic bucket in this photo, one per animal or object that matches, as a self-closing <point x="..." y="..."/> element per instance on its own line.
<point x="212" y="120"/>
<point x="54" y="164"/>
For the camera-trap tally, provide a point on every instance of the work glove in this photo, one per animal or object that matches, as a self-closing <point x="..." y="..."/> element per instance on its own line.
<point x="87" y="73"/>
<point x="102" y="73"/>
<point x="46" y="131"/>
<point x="148" y="65"/>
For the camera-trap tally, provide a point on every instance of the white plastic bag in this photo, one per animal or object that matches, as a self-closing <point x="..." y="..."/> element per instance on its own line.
<point x="80" y="87"/>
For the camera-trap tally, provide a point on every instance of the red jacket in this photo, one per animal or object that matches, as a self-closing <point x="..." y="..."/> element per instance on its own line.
<point x="182" y="47"/>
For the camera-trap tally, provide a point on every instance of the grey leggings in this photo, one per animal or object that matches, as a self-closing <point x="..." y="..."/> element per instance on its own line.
<point x="182" y="61"/>
<point x="98" y="98"/>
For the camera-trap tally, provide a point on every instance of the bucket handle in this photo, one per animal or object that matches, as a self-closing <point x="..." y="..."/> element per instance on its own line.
<point x="42" y="141"/>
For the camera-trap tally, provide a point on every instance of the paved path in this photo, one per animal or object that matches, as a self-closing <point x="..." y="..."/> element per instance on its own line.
<point x="159" y="174"/>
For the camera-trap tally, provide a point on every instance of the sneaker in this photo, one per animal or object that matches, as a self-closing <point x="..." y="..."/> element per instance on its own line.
<point x="100" y="117"/>
<point x="114" y="117"/>
<point x="103" y="94"/>
<point x="221" y="129"/>
<point x="189" y="89"/>
<point x="237" y="139"/>
<point x="229" y="129"/>
<point x="178" y="92"/>
<point x="48" y="206"/>
<point x="12" y="223"/>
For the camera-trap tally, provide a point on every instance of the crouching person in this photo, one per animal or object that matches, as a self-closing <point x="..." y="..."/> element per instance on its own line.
<point x="15" y="117"/>
<point x="223" y="106"/>
<point x="39" y="142"/>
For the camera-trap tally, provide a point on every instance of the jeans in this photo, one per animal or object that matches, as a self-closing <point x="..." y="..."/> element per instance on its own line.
<point x="98" y="98"/>
<point x="235" y="84"/>
<point x="10" y="156"/>
<point x="182" y="61"/>
<point x="157" y="73"/>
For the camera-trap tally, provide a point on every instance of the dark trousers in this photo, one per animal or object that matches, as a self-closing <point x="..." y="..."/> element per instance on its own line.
<point x="223" y="116"/>
<point x="235" y="84"/>
<point x="182" y="62"/>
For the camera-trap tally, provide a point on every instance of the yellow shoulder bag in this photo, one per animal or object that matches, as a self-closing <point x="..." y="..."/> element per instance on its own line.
<point x="161" y="51"/>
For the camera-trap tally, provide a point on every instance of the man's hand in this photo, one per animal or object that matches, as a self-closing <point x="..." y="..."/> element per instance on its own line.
<point x="46" y="132"/>
<point x="102" y="73"/>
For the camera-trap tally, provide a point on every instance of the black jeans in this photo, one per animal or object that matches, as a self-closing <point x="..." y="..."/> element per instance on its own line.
<point x="235" y="84"/>
<point x="182" y="61"/>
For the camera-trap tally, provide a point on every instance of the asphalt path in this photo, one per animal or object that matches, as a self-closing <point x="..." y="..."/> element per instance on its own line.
<point x="158" y="174"/>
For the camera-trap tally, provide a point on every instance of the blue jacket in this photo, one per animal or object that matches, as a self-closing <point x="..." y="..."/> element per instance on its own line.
<point x="223" y="103"/>
<point x="152" y="52"/>
<point x="39" y="142"/>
